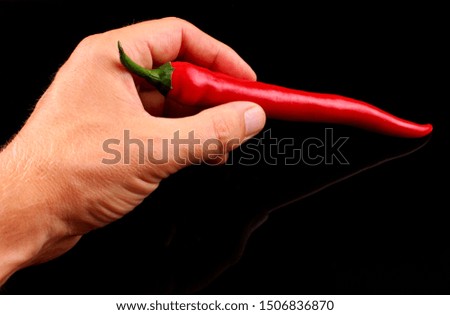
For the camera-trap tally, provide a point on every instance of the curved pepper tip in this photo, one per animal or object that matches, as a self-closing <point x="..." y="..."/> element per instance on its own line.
<point x="422" y="131"/>
<point x="427" y="129"/>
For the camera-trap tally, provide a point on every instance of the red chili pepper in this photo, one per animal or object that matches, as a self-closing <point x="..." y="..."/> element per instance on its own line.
<point x="192" y="85"/>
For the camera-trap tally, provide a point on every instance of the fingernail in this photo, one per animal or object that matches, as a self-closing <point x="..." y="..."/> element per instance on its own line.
<point x="255" y="118"/>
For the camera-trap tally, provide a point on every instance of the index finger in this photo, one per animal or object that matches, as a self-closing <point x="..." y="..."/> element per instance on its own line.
<point x="168" y="39"/>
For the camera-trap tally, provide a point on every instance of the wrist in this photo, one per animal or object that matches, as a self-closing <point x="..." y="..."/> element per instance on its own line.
<point x="24" y="218"/>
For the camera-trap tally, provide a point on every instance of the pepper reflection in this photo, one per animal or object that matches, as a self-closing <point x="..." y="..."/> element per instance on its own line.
<point x="210" y="232"/>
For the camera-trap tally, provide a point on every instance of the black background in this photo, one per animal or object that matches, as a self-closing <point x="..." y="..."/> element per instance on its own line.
<point x="375" y="226"/>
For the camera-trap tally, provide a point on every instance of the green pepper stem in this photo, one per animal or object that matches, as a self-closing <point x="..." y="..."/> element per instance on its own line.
<point x="160" y="77"/>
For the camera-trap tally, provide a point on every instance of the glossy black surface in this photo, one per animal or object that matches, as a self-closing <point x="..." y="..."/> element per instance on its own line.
<point x="376" y="225"/>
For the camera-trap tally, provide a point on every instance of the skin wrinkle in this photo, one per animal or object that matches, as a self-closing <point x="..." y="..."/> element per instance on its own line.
<point x="181" y="48"/>
<point x="215" y="58"/>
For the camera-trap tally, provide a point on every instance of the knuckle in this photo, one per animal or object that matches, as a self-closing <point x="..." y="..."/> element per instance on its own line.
<point x="176" y="20"/>
<point x="222" y="129"/>
<point x="86" y="48"/>
<point x="88" y="42"/>
<point x="92" y="49"/>
<point x="173" y="19"/>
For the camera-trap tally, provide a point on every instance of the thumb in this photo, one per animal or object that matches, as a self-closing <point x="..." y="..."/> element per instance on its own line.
<point x="215" y="131"/>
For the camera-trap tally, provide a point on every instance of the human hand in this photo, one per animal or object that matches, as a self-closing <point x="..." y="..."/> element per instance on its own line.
<point x="83" y="159"/>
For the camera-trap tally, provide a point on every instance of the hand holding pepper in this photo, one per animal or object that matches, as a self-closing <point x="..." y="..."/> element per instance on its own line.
<point x="58" y="179"/>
